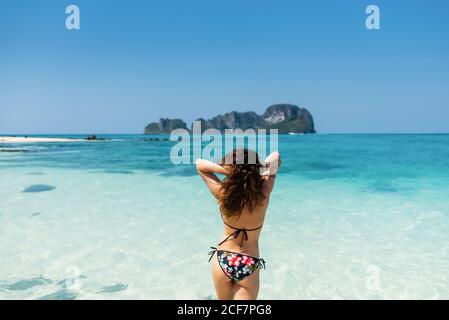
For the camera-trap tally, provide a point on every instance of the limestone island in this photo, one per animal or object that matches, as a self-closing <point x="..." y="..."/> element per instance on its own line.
<point x="287" y="118"/>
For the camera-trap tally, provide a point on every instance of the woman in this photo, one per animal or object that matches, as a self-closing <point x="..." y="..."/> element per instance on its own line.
<point x="243" y="197"/>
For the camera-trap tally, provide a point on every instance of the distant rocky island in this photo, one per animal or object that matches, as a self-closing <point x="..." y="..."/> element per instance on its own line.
<point x="287" y="118"/>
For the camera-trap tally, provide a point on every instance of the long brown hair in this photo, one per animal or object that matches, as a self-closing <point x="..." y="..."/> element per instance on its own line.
<point x="243" y="186"/>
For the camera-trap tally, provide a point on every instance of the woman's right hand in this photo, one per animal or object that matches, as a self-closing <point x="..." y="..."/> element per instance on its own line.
<point x="271" y="164"/>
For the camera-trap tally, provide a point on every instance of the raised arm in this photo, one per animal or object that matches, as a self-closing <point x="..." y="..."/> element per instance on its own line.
<point x="271" y="167"/>
<point x="207" y="170"/>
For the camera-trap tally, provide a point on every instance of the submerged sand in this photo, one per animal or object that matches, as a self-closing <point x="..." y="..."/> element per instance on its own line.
<point x="34" y="139"/>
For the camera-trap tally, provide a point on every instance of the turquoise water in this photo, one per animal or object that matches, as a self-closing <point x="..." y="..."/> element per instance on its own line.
<point x="352" y="217"/>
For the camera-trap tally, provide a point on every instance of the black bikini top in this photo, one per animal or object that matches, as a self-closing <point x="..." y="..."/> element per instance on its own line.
<point x="237" y="233"/>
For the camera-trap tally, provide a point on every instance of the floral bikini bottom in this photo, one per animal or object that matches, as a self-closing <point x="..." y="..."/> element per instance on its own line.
<point x="236" y="266"/>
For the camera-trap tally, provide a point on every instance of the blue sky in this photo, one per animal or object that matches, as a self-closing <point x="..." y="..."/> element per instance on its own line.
<point x="133" y="62"/>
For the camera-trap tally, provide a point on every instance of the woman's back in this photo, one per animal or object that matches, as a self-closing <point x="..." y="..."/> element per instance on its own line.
<point x="243" y="198"/>
<point x="247" y="220"/>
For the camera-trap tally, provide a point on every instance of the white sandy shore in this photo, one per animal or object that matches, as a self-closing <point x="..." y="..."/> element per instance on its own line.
<point x="28" y="140"/>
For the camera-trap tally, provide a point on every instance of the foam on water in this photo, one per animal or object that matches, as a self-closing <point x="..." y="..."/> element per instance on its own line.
<point x="351" y="217"/>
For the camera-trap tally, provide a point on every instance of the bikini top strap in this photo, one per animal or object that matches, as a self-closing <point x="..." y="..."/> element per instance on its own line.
<point x="242" y="229"/>
<point x="237" y="232"/>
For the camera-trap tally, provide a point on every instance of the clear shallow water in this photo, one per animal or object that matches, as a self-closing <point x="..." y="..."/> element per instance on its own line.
<point x="352" y="217"/>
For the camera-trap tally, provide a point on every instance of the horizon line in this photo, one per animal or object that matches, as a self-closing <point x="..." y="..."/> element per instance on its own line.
<point x="132" y="133"/>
